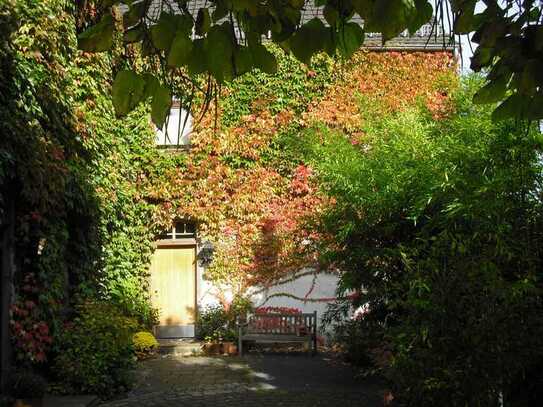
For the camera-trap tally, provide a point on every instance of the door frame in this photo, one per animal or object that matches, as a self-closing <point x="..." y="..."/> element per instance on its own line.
<point x="178" y="244"/>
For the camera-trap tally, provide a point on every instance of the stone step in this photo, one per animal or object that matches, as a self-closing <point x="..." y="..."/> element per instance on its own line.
<point x="180" y="347"/>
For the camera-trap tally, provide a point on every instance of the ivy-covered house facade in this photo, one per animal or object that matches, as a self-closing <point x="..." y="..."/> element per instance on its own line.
<point x="242" y="206"/>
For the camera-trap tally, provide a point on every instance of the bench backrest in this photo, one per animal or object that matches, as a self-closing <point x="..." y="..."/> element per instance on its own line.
<point x="282" y="324"/>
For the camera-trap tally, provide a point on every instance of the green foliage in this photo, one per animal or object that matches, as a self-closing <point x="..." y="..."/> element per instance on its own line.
<point x="74" y="173"/>
<point x="99" y="37"/>
<point x="212" y="323"/>
<point x="145" y="344"/>
<point x="437" y="226"/>
<point x="215" y="323"/>
<point x="292" y="87"/>
<point x="96" y="351"/>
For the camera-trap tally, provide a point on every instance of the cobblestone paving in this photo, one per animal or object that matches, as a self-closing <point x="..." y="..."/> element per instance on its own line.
<point x="256" y="380"/>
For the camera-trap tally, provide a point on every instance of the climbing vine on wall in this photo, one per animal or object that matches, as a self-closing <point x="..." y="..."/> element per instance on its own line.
<point x="71" y="170"/>
<point x="245" y="183"/>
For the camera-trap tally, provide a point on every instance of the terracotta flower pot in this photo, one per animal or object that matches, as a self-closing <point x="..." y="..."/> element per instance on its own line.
<point x="212" y="348"/>
<point x="230" y="348"/>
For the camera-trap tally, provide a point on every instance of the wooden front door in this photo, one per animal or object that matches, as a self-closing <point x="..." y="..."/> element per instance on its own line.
<point x="173" y="290"/>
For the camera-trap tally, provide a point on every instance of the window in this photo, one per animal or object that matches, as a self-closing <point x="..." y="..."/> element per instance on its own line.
<point x="177" y="129"/>
<point x="180" y="230"/>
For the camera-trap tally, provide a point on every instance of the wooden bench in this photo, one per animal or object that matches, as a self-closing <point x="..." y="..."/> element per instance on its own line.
<point x="279" y="328"/>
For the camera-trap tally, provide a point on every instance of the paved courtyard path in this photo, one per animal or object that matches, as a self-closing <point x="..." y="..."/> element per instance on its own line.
<point x="258" y="380"/>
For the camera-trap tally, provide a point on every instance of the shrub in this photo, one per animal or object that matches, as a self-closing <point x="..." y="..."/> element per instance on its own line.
<point x="145" y="344"/>
<point x="438" y="224"/>
<point x="212" y="323"/>
<point x="25" y="384"/>
<point x="96" y="352"/>
<point x="215" y="323"/>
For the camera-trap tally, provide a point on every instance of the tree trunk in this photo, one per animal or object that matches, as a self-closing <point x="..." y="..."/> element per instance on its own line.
<point x="8" y="268"/>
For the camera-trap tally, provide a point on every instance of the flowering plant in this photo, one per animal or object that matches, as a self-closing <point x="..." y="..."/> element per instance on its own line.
<point x="31" y="336"/>
<point x="277" y="310"/>
<point x="30" y="333"/>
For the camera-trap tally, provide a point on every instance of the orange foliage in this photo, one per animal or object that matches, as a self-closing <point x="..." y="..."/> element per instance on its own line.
<point x="393" y="79"/>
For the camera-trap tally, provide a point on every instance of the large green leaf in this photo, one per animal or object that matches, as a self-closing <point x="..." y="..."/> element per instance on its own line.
<point x="531" y="76"/>
<point x="365" y="8"/>
<point x="393" y="16"/>
<point x="488" y="33"/>
<point x="350" y="39"/>
<point x="465" y="21"/>
<point x="420" y="15"/>
<point x="492" y="92"/>
<point x="197" y="61"/>
<point x="163" y="32"/>
<point x="243" y="59"/>
<point x="331" y="15"/>
<point x="308" y="40"/>
<point x="168" y="26"/>
<point x="481" y="57"/>
<point x="128" y="91"/>
<point x="203" y="22"/>
<point x="220" y="11"/>
<point x="535" y="107"/>
<point x="263" y="59"/>
<point x="184" y="24"/>
<point x="134" y="34"/>
<point x="135" y="13"/>
<point x="513" y="106"/>
<point x="160" y="106"/>
<point x="99" y="37"/>
<point x="219" y="51"/>
<point x="180" y="50"/>
<point x="151" y="85"/>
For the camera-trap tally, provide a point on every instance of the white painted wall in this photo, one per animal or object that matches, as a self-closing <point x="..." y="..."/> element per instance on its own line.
<point x="313" y="292"/>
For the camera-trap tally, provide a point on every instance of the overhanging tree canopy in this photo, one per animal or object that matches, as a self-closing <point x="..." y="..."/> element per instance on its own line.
<point x="223" y="38"/>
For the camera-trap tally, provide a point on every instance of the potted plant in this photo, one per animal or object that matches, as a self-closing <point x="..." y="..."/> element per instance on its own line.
<point x="213" y="344"/>
<point x="229" y="346"/>
<point x="27" y="388"/>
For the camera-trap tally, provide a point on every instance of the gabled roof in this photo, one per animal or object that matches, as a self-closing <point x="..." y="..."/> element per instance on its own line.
<point x="428" y="38"/>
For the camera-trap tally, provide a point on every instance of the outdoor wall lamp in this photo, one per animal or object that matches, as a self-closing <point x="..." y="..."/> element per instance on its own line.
<point x="205" y="255"/>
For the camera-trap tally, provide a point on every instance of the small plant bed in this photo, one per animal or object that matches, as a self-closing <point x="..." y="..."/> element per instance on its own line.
<point x="220" y="348"/>
<point x="217" y="327"/>
<point x="145" y="345"/>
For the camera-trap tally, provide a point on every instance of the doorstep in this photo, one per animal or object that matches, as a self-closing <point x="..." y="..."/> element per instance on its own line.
<point x="180" y="347"/>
